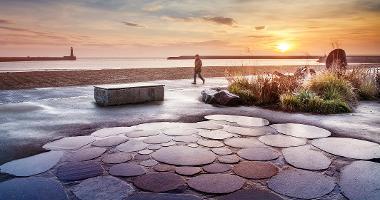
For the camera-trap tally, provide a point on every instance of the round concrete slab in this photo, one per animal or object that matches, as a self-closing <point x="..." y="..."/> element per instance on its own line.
<point x="159" y="182"/>
<point x="255" y="169"/>
<point x="74" y="171"/>
<point x="305" y="157"/>
<point x="282" y="141"/>
<point x="251" y="194"/>
<point x="32" y="188"/>
<point x="141" y="157"/>
<point x="188" y="171"/>
<point x="210" y="143"/>
<point x="348" y="147"/>
<point x="154" y="147"/>
<point x="301" y="130"/>
<point x="115" y="158"/>
<point x="87" y="154"/>
<point x="102" y="187"/>
<point x="142" y="133"/>
<point x="163" y="168"/>
<point x="243" y="142"/>
<point x="208" y="125"/>
<point x="157" y="139"/>
<point x="110" y="141"/>
<point x="131" y="146"/>
<point x="148" y="163"/>
<point x="69" y="143"/>
<point x="107" y="132"/>
<point x="167" y="144"/>
<point x="230" y="159"/>
<point x="126" y="169"/>
<point x="222" y="151"/>
<point x="183" y="155"/>
<point x="253" y="131"/>
<point x="241" y="120"/>
<point x="162" y="196"/>
<point x="186" y="138"/>
<point x="301" y="184"/>
<point x="215" y="135"/>
<point x="216" y="168"/>
<point x="216" y="183"/>
<point x="32" y="165"/>
<point x="180" y="131"/>
<point x="145" y="152"/>
<point x="360" y="180"/>
<point x="259" y="153"/>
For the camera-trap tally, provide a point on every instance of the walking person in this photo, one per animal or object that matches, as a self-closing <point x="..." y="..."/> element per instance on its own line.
<point x="198" y="69"/>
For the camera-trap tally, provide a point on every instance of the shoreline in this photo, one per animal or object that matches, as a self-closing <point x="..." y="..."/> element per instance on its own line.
<point x="62" y="78"/>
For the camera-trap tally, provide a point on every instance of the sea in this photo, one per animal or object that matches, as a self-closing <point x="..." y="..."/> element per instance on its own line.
<point x="128" y="63"/>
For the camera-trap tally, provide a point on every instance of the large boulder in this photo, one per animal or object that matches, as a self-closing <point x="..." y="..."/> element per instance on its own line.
<point x="219" y="96"/>
<point x="337" y="60"/>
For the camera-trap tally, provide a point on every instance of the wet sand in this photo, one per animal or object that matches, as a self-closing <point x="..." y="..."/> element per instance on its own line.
<point x="41" y="79"/>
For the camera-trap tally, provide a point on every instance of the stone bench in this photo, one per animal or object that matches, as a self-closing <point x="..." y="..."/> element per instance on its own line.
<point x="110" y="95"/>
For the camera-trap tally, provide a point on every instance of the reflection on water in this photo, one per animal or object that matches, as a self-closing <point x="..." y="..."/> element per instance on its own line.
<point x="124" y="63"/>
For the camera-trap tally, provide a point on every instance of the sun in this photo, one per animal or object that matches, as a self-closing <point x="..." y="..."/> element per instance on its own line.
<point x="283" y="47"/>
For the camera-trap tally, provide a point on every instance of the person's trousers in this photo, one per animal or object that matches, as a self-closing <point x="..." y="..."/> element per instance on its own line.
<point x="199" y="75"/>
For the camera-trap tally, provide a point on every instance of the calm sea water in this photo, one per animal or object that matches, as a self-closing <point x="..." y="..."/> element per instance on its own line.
<point x="125" y="63"/>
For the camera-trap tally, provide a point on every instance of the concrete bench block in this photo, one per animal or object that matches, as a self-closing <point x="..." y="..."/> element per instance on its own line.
<point x="110" y="95"/>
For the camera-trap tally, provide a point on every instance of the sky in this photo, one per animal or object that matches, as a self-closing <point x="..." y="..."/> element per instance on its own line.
<point x="161" y="28"/>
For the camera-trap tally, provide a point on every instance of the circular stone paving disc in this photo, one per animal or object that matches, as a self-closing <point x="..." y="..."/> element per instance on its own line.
<point x="254" y="131"/>
<point x="180" y="131"/>
<point x="255" y="170"/>
<point x="216" y="183"/>
<point x="131" y="146"/>
<point x="188" y="171"/>
<point x="32" y="165"/>
<point x="148" y="163"/>
<point x="305" y="157"/>
<point x="106" y="132"/>
<point x="69" y="143"/>
<point x="216" y="134"/>
<point x="222" y="151"/>
<point x="208" y="125"/>
<point x="241" y="120"/>
<point x="102" y="187"/>
<point x="183" y="155"/>
<point x="162" y="196"/>
<point x="115" y="158"/>
<point x="163" y="168"/>
<point x="142" y="133"/>
<point x="360" y="180"/>
<point x="301" y="130"/>
<point x="74" y="171"/>
<point x="217" y="168"/>
<point x="159" y="182"/>
<point x="282" y="140"/>
<point x="210" y="143"/>
<point x="32" y="188"/>
<point x="251" y="194"/>
<point x="243" y="142"/>
<point x="348" y="147"/>
<point x="87" y="154"/>
<point x="301" y="184"/>
<point x="126" y="169"/>
<point x="186" y="138"/>
<point x="230" y="159"/>
<point x="110" y="141"/>
<point x="158" y="139"/>
<point x="259" y="153"/>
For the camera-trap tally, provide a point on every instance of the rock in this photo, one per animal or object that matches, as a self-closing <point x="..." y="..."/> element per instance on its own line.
<point x="216" y="183"/>
<point x="305" y="157"/>
<point x="360" y="180"/>
<point x="253" y="131"/>
<point x="216" y="134"/>
<point x="142" y="133"/>
<point x="222" y="151"/>
<point x="230" y="159"/>
<point x="126" y="169"/>
<point x="145" y="152"/>
<point x="348" y="147"/>
<point x="87" y="154"/>
<point x="131" y="146"/>
<point x="157" y="139"/>
<point x="337" y="59"/>
<point x="301" y="130"/>
<point x="301" y="184"/>
<point x="184" y="156"/>
<point x="162" y="196"/>
<point x="240" y="120"/>
<point x="221" y="97"/>
<point x="210" y="143"/>
<point x="159" y="182"/>
<point x="188" y="171"/>
<point x="259" y="153"/>
<point x="107" y="132"/>
<point x="255" y="170"/>
<point x="208" y="125"/>
<point x="74" y="171"/>
<point x="251" y="194"/>
<point x="102" y="187"/>
<point x="110" y="141"/>
<point x="186" y="138"/>
<point x="115" y="158"/>
<point x="148" y="163"/>
<point x="216" y="168"/>
<point x="32" y="188"/>
<point x="171" y="143"/>
<point x="192" y="145"/>
<point x="282" y="141"/>
<point x="180" y="131"/>
<point x="163" y="168"/>
<point x="154" y="147"/>
<point x="32" y="165"/>
<point x="244" y="142"/>
<point x="69" y="143"/>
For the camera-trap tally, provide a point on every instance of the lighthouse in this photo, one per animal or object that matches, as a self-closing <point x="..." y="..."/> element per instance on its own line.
<point x="71" y="52"/>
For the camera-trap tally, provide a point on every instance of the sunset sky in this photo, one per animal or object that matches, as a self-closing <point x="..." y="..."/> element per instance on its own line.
<point x="157" y="28"/>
